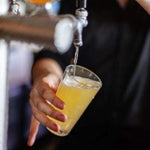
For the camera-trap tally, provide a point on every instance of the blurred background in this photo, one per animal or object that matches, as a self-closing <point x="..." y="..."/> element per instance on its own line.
<point x="21" y="57"/>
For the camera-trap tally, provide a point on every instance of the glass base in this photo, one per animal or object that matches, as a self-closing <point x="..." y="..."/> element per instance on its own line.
<point x="60" y="132"/>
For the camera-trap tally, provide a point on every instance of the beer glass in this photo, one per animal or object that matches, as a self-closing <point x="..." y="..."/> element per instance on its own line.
<point x="77" y="89"/>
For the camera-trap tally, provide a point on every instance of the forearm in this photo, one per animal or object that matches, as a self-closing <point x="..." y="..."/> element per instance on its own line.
<point x="145" y="4"/>
<point x="44" y="67"/>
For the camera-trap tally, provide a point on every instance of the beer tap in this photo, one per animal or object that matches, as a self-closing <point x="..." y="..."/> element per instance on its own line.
<point x="14" y="8"/>
<point x="81" y="15"/>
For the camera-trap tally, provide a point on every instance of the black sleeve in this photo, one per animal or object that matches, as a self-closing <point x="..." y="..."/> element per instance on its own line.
<point x="62" y="59"/>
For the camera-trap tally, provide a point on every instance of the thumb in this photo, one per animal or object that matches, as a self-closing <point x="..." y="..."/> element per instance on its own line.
<point x="52" y="80"/>
<point x="34" y="126"/>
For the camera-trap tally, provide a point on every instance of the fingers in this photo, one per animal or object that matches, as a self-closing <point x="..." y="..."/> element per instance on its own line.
<point x="43" y="119"/>
<point x="46" y="89"/>
<point x="42" y="99"/>
<point x="34" y="125"/>
<point x="49" y="95"/>
<point x="41" y="109"/>
<point x="40" y="106"/>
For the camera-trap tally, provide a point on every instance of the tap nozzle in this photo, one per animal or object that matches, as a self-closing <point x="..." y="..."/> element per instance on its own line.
<point x="14" y="8"/>
<point x="81" y="15"/>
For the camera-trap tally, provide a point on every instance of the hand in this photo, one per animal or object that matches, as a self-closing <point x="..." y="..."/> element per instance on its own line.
<point x="145" y="4"/>
<point x="43" y="93"/>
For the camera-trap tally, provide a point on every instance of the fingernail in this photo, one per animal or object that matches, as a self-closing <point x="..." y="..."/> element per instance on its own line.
<point x="61" y="105"/>
<point x="55" y="127"/>
<point x="62" y="117"/>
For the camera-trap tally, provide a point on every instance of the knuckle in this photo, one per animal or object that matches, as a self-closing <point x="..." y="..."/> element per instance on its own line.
<point x="36" y="115"/>
<point x="45" y="122"/>
<point x="50" y="112"/>
<point x="39" y="105"/>
<point x="44" y="93"/>
<point x="52" y="98"/>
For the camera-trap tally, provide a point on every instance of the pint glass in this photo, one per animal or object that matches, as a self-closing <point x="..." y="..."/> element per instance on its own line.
<point x="77" y="89"/>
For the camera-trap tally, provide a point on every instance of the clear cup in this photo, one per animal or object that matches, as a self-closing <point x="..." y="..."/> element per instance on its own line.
<point x="77" y="89"/>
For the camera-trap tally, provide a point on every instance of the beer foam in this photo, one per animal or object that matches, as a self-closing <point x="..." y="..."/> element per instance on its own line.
<point x="80" y="82"/>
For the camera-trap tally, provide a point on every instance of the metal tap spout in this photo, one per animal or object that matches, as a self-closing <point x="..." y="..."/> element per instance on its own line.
<point x="81" y="15"/>
<point x="14" y="8"/>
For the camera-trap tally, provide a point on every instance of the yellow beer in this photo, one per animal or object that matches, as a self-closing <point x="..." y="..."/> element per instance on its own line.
<point x="77" y="93"/>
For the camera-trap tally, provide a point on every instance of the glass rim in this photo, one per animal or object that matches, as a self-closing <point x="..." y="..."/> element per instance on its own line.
<point x="79" y="66"/>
